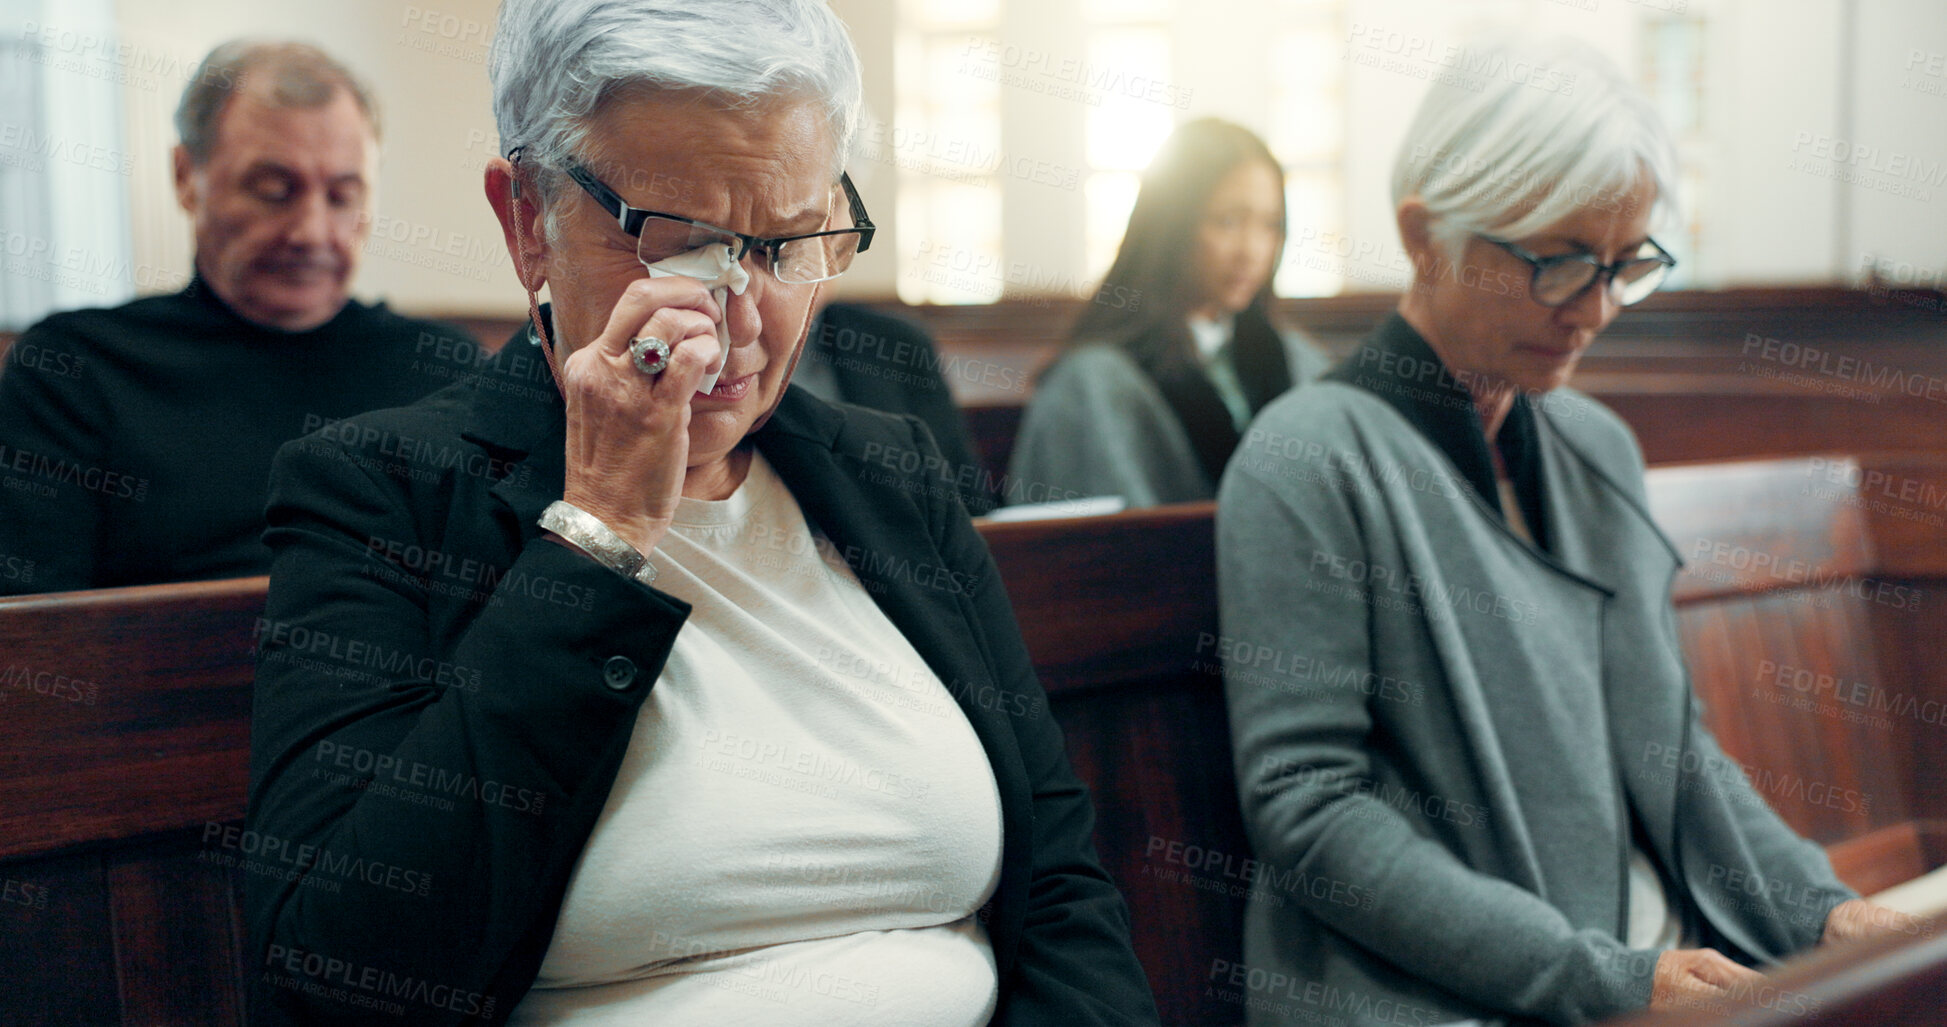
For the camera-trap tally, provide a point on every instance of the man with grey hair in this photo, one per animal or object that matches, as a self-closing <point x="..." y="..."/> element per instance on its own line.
<point x="137" y="445"/>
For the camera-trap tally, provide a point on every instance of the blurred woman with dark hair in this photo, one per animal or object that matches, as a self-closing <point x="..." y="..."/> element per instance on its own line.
<point x="1161" y="375"/>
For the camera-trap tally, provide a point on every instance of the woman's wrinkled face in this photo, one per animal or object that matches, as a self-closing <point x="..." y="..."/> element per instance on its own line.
<point x="764" y="172"/>
<point x="1238" y="238"/>
<point x="1489" y="328"/>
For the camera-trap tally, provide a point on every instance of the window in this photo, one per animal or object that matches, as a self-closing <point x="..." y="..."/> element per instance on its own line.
<point x="946" y="142"/>
<point x="63" y="165"/>
<point x="1305" y="129"/>
<point x="1673" y="76"/>
<point x="1128" y="48"/>
<point x="1093" y="87"/>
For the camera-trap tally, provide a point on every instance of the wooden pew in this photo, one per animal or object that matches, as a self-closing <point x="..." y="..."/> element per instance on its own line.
<point x="128" y="724"/>
<point x="127" y="740"/>
<point x="1120" y="614"/>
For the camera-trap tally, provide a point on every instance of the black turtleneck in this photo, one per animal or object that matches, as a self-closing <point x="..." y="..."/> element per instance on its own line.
<point x="136" y="441"/>
<point x="1396" y="364"/>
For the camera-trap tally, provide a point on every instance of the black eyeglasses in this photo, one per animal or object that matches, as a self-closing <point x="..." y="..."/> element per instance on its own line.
<point x="796" y="259"/>
<point x="1558" y="280"/>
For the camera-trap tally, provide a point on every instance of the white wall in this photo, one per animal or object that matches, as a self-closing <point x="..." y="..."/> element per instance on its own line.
<point x="1900" y="80"/>
<point x="1775" y="74"/>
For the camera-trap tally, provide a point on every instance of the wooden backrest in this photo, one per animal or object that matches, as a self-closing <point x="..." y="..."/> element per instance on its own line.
<point x="1772" y="614"/>
<point x="1120" y="614"/>
<point x="126" y="759"/>
<point x="1807" y="599"/>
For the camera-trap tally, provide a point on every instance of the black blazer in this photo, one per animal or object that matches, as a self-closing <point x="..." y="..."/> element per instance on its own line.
<point x="443" y="699"/>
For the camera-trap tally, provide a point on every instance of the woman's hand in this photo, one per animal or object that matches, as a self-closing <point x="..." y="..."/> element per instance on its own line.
<point x="1686" y="978"/>
<point x="1857" y="918"/>
<point x="628" y="433"/>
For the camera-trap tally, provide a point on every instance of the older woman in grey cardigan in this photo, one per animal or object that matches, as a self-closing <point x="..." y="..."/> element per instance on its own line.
<point x="1467" y="748"/>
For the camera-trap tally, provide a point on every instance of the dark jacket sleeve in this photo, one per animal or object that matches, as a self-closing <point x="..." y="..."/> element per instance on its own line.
<point x="421" y="803"/>
<point x="1075" y="964"/>
<point x="52" y="482"/>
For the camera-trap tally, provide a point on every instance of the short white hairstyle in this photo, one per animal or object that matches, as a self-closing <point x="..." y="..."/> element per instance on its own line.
<point x="1520" y="133"/>
<point x="554" y="63"/>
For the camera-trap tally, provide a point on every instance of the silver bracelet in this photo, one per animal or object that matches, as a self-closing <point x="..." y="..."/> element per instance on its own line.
<point x="598" y="540"/>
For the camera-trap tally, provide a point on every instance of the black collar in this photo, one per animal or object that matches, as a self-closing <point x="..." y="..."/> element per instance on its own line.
<point x="199" y="294"/>
<point x="1396" y="365"/>
<point x="1166" y="353"/>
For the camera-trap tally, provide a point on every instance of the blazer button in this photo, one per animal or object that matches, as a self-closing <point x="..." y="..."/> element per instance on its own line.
<point x="619" y="672"/>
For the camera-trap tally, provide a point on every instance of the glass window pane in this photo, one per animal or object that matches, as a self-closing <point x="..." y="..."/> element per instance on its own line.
<point x="1109" y="197"/>
<point x="960" y="105"/>
<point x="1128" y="69"/>
<point x="1674" y="72"/>
<point x="945" y="13"/>
<point x="1318" y="259"/>
<point x="949" y="234"/>
<point x="1099" y="11"/>
<point x="1307" y="109"/>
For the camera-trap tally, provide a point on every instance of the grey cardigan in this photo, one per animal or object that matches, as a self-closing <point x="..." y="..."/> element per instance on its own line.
<point x="1098" y="426"/>
<point x="1440" y="731"/>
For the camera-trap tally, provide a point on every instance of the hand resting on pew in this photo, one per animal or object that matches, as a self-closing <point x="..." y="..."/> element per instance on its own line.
<point x="1687" y="977"/>
<point x="1705" y="981"/>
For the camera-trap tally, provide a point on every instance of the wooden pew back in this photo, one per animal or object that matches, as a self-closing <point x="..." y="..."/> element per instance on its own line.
<point x="1775" y="607"/>
<point x="1120" y="614"/>
<point x="126" y="755"/>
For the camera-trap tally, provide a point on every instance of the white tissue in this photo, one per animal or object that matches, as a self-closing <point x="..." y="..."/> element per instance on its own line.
<point x="712" y="266"/>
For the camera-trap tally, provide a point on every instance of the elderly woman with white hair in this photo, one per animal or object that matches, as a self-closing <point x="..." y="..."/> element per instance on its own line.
<point x="1467" y="750"/>
<point x="623" y="685"/>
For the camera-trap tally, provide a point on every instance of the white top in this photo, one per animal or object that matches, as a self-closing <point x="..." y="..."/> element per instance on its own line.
<point x="1210" y="334"/>
<point x="804" y="823"/>
<point x="1213" y="339"/>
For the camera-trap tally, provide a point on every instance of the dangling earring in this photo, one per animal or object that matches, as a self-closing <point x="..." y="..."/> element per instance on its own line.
<point x="536" y="335"/>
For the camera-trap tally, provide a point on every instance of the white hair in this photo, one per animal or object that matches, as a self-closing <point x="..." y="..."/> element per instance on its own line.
<point x="554" y="63"/>
<point x="1521" y="133"/>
